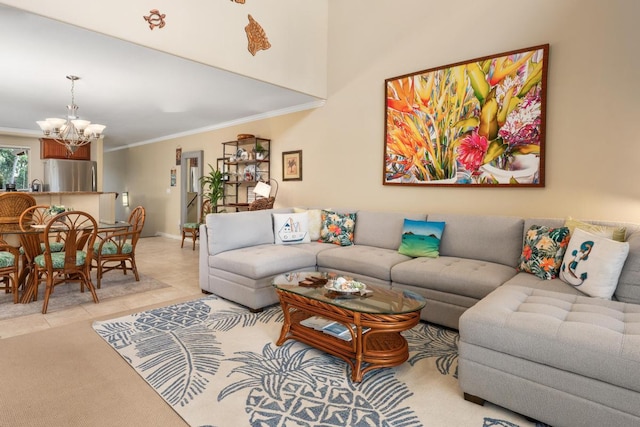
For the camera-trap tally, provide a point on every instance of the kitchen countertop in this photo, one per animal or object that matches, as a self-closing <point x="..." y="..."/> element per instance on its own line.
<point x="75" y="193"/>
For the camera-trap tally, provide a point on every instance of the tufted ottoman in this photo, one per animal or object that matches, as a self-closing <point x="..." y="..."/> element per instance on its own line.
<point x="562" y="359"/>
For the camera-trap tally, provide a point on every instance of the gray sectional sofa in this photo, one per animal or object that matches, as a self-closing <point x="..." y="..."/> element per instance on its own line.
<point x="538" y="347"/>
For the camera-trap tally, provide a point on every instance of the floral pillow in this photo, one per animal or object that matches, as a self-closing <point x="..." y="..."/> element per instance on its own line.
<point x="337" y="228"/>
<point x="543" y="251"/>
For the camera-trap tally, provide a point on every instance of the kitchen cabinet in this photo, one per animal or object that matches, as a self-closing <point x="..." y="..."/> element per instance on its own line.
<point x="50" y="149"/>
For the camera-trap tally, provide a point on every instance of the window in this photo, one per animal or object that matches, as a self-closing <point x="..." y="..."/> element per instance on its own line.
<point x="14" y="167"/>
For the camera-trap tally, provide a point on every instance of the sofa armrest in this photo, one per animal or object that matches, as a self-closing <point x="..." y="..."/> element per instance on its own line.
<point x="203" y="258"/>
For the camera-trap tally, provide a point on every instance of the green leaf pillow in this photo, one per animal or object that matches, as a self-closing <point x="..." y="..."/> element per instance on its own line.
<point x="543" y="251"/>
<point x="337" y="228"/>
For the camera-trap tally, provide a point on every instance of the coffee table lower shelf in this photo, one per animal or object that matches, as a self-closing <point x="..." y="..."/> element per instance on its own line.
<point x="381" y="346"/>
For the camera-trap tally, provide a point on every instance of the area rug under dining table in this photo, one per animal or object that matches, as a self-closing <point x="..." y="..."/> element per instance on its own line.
<point x="216" y="364"/>
<point x="68" y="295"/>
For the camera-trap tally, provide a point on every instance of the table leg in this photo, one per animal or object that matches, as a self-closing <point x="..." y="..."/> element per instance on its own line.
<point x="286" y="325"/>
<point x="29" y="282"/>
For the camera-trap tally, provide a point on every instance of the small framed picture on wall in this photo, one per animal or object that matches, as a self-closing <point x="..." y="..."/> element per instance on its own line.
<point x="292" y="165"/>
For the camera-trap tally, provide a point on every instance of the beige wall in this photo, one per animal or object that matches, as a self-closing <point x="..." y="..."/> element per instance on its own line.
<point x="593" y="103"/>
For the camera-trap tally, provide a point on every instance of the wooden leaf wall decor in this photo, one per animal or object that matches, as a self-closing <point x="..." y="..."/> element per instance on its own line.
<point x="239" y="1"/>
<point x="155" y="19"/>
<point x="256" y="36"/>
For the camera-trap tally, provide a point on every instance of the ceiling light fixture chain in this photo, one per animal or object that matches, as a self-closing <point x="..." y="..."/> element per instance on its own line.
<point x="73" y="108"/>
<point x="71" y="132"/>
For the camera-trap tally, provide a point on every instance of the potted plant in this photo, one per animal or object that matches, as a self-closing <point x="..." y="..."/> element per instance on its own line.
<point x="261" y="152"/>
<point x="213" y="186"/>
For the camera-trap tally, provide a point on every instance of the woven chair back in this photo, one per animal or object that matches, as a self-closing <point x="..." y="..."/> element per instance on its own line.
<point x="12" y="205"/>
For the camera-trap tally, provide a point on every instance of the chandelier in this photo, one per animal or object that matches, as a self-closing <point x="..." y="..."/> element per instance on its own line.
<point x="71" y="132"/>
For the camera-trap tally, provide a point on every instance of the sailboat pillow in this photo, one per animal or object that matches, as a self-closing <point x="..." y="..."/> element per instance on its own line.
<point x="291" y="228"/>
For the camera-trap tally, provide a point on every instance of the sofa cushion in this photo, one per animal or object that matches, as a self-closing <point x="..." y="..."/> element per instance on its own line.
<point x="261" y="261"/>
<point x="591" y="337"/>
<point x="554" y="285"/>
<point x="616" y="233"/>
<point x="337" y="228"/>
<point x="628" y="289"/>
<point x="593" y="263"/>
<point x="485" y="238"/>
<point x="460" y="276"/>
<point x="361" y="259"/>
<point x="421" y="238"/>
<point x="543" y="250"/>
<point x="315" y="221"/>
<point x="291" y="228"/>
<point x="227" y="231"/>
<point x="382" y="229"/>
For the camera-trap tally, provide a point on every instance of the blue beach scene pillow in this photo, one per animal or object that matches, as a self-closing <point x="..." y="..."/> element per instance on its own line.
<point x="421" y="238"/>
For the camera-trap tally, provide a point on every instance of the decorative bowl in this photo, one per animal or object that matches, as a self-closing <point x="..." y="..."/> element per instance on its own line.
<point x="343" y="285"/>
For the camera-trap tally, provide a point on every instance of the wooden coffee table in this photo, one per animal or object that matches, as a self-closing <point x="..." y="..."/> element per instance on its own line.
<point x="374" y="322"/>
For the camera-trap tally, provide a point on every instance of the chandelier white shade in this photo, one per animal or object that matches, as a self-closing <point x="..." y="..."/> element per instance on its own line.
<point x="71" y="132"/>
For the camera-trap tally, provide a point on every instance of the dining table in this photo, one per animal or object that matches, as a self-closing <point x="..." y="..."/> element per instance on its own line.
<point x="30" y="238"/>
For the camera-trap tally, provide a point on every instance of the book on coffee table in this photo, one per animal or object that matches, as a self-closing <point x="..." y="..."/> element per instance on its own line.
<point x="316" y="322"/>
<point x="339" y="330"/>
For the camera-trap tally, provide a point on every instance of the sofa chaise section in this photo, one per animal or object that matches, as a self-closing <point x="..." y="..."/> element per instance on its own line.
<point x="566" y="360"/>
<point x="238" y="258"/>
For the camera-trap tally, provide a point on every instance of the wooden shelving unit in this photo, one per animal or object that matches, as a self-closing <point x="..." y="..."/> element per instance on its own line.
<point x="246" y="162"/>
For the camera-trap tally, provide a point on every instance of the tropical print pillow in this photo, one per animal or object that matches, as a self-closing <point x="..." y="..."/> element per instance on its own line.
<point x="337" y="228"/>
<point x="543" y="251"/>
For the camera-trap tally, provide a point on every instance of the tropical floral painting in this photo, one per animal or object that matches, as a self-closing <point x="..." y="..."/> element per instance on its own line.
<point x="479" y="122"/>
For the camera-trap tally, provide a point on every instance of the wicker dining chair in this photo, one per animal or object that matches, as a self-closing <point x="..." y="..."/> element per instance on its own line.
<point x="9" y="269"/>
<point x="115" y="249"/>
<point x="12" y="204"/>
<point x="35" y="216"/>
<point x="78" y="231"/>
<point x="192" y="229"/>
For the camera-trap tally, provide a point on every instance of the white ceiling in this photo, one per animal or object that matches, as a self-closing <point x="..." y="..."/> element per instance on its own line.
<point x="140" y="94"/>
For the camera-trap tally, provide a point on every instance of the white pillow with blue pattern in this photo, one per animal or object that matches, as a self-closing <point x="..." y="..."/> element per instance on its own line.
<point x="291" y="228"/>
<point x="592" y="264"/>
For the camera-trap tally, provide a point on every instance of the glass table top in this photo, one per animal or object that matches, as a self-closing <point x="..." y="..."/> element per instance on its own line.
<point x="375" y="299"/>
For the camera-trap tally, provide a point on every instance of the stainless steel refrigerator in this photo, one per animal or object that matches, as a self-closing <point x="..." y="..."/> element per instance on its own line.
<point x="70" y="175"/>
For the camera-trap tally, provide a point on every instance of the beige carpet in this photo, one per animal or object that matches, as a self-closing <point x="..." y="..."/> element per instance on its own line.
<point x="69" y="376"/>
<point x="114" y="284"/>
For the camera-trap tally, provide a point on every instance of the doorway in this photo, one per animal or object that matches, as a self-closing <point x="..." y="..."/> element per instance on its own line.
<point x="190" y="189"/>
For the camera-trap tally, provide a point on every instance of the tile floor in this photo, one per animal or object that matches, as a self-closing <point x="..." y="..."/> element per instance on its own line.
<point x="158" y="257"/>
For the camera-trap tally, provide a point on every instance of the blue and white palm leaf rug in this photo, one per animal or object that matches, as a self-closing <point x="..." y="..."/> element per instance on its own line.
<point x="217" y="364"/>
